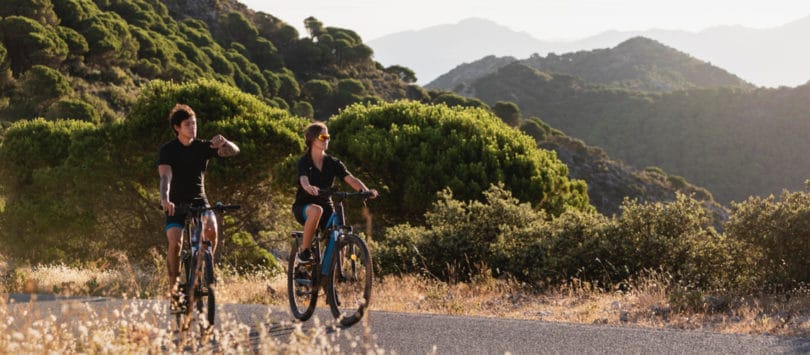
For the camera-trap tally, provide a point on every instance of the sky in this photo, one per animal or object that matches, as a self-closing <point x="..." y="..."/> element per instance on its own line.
<point x="543" y="19"/>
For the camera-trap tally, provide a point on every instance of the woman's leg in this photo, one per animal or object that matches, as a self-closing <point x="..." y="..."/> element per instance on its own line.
<point x="313" y="213"/>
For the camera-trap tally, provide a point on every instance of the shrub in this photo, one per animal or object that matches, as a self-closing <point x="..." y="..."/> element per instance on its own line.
<point x="780" y="231"/>
<point x="73" y="109"/>
<point x="395" y="146"/>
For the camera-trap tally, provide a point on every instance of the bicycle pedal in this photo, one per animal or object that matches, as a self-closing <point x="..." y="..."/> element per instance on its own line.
<point x="178" y="309"/>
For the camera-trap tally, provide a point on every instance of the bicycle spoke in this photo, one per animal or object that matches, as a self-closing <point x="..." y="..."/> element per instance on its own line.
<point x="301" y="287"/>
<point x="351" y="278"/>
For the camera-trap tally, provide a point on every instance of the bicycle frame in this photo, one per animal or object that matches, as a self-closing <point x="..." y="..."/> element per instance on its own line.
<point x="335" y="226"/>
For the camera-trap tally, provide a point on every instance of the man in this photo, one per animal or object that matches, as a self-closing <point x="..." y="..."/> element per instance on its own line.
<point x="181" y="166"/>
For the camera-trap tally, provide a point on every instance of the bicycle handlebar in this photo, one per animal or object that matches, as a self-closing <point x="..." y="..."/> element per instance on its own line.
<point x="343" y="194"/>
<point x="218" y="207"/>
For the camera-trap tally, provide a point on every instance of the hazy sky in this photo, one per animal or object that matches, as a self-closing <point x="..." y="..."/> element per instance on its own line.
<point x="543" y="19"/>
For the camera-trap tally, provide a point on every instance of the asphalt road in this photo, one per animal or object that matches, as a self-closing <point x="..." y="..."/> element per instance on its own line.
<point x="405" y="333"/>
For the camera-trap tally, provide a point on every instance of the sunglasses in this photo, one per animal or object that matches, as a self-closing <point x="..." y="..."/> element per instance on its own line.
<point x="323" y="137"/>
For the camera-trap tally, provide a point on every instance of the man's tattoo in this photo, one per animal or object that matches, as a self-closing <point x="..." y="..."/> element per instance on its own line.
<point x="227" y="150"/>
<point x="164" y="187"/>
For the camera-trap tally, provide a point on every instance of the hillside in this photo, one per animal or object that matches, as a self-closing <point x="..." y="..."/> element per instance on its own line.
<point x="635" y="64"/>
<point x="736" y="143"/>
<point x="611" y="181"/>
<point x="87" y="60"/>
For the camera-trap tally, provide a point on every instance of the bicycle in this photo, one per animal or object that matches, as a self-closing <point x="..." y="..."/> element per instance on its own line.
<point x="196" y="271"/>
<point x="344" y="269"/>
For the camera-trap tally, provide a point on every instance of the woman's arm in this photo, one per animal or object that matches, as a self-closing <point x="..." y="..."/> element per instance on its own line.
<point x="358" y="185"/>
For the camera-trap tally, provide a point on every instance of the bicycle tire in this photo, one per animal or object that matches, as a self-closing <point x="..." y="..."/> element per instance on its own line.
<point x="302" y="286"/>
<point x="206" y="301"/>
<point x="182" y="288"/>
<point x="350" y="277"/>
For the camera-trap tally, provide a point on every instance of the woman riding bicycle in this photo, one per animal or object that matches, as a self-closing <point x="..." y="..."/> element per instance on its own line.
<point x="317" y="171"/>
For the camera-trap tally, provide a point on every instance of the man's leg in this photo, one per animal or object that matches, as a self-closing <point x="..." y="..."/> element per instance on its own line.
<point x="210" y="231"/>
<point x="175" y="237"/>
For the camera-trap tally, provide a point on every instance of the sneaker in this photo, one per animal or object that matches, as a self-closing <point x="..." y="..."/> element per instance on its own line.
<point x="305" y="257"/>
<point x="177" y="303"/>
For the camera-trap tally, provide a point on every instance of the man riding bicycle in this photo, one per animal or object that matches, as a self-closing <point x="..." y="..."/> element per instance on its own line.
<point x="181" y="166"/>
<point x="317" y="171"/>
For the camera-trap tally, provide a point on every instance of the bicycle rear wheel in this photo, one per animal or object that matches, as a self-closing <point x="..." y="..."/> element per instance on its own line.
<point x="302" y="286"/>
<point x="350" y="276"/>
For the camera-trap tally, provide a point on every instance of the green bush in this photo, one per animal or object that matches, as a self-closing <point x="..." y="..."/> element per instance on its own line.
<point x="779" y="230"/>
<point x="73" y="109"/>
<point x="64" y="181"/>
<point x="411" y="151"/>
<point x="502" y="236"/>
<point x="245" y="253"/>
<point x="30" y="43"/>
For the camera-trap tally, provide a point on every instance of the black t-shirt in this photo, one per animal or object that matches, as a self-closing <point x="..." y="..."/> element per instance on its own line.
<point x="323" y="179"/>
<point x="188" y="168"/>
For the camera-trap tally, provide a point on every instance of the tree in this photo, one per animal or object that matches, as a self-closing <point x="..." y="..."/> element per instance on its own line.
<point x="397" y="145"/>
<point x="508" y="112"/>
<point x="5" y="71"/>
<point x="234" y="27"/>
<point x="109" y="39"/>
<point x="405" y="74"/>
<point x="316" y="89"/>
<point x="274" y="29"/>
<point x="303" y="109"/>
<point x="73" y="12"/>
<point x="43" y="86"/>
<point x="73" y="109"/>
<point x="30" y="43"/>
<point x="536" y="129"/>
<point x="39" y="10"/>
<point x="313" y="26"/>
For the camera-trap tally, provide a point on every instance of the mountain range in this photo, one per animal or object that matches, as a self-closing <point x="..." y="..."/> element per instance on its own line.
<point x="718" y="132"/>
<point x="764" y="57"/>
<point x="636" y="64"/>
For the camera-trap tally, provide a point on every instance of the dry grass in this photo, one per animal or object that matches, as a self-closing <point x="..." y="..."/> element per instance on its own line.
<point x="650" y="301"/>
<point x="647" y="303"/>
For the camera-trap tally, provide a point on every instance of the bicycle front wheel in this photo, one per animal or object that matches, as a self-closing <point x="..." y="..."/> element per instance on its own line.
<point x="302" y="286"/>
<point x="350" y="277"/>
<point x="206" y="299"/>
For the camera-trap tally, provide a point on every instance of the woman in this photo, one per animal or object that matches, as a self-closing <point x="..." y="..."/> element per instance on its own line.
<point x="317" y="171"/>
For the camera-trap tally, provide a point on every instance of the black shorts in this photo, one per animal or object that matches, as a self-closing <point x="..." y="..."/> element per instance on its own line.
<point x="179" y="219"/>
<point x="299" y="211"/>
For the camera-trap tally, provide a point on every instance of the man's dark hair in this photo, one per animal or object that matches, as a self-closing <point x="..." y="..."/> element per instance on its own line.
<point x="179" y="113"/>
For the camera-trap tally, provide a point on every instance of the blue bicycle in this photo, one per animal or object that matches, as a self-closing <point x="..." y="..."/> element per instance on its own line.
<point x="344" y="269"/>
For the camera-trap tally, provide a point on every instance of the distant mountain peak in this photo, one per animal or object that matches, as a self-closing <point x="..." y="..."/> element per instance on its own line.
<point x="638" y="63"/>
<point x="451" y="44"/>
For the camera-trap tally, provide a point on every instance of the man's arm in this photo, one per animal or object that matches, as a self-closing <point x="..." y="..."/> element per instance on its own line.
<point x="224" y="147"/>
<point x="165" y="172"/>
